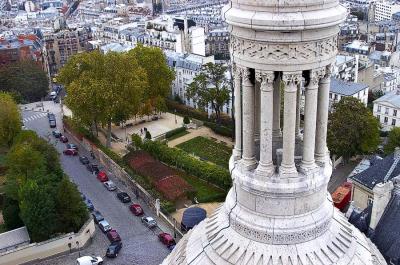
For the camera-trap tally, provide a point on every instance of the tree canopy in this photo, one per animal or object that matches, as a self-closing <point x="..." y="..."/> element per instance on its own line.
<point x="10" y="119"/>
<point x="210" y="88"/>
<point x="114" y="87"/>
<point x="37" y="193"/>
<point x="393" y="141"/>
<point x="26" y="80"/>
<point x="352" y="129"/>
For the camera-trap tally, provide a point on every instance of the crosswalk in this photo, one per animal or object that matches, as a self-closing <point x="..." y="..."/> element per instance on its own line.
<point x="34" y="117"/>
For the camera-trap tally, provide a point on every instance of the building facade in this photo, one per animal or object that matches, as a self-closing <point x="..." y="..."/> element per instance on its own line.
<point x="387" y="110"/>
<point x="384" y="9"/>
<point x="278" y="211"/>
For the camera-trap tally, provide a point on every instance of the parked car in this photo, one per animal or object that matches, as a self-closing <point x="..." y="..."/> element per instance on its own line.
<point x="89" y="205"/>
<point x="102" y="176"/>
<point x="104" y="226"/>
<point x="123" y="197"/>
<point x="72" y="146"/>
<point x="63" y="139"/>
<point x="113" y="249"/>
<point x="166" y="239"/>
<point x="136" y="209"/>
<point x="56" y="134"/>
<point x="52" y="124"/>
<point x="51" y="116"/>
<point x="84" y="160"/>
<point x="113" y="236"/>
<point x="149" y="221"/>
<point x="70" y="152"/>
<point x="93" y="168"/>
<point x="89" y="260"/>
<point x="97" y="217"/>
<point x="110" y="185"/>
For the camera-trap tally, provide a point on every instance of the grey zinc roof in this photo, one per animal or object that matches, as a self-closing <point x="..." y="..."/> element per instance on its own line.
<point x="377" y="172"/>
<point x="346" y="88"/>
<point x="14" y="238"/>
<point x="392" y="98"/>
<point x="387" y="233"/>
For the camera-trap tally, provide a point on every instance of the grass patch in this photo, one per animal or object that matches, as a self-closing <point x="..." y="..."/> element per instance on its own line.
<point x="205" y="192"/>
<point x="3" y="228"/>
<point x="178" y="135"/>
<point x="207" y="149"/>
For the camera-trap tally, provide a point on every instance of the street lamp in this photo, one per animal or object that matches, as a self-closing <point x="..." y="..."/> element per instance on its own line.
<point x="175" y="116"/>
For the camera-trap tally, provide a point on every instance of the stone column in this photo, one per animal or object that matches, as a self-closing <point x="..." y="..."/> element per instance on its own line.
<point x="321" y="149"/>
<point x="291" y="80"/>
<point x="248" y="155"/>
<point x="237" y="151"/>
<point x="257" y="112"/>
<point x="277" y="109"/>
<point x="266" y="165"/>
<point x="310" y="119"/>
<point x="298" y="118"/>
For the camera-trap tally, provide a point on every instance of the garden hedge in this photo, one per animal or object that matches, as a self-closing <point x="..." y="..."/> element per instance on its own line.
<point x="219" y="129"/>
<point x="172" y="156"/>
<point x="176" y="131"/>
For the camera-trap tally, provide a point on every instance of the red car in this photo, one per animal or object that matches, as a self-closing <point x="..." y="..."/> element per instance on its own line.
<point x="70" y="152"/>
<point x="113" y="236"/>
<point x="63" y="139"/>
<point x="166" y="239"/>
<point x="102" y="176"/>
<point x="136" y="209"/>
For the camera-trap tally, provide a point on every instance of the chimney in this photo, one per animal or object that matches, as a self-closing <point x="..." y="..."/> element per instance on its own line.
<point x="382" y="194"/>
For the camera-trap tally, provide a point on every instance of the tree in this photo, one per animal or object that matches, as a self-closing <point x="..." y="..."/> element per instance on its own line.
<point x="210" y="87"/>
<point x="26" y="79"/>
<point x="103" y="88"/>
<point x="71" y="211"/>
<point x="38" y="211"/>
<point x="10" y="119"/>
<point x="352" y="129"/>
<point x="11" y="214"/>
<point x="159" y="77"/>
<point x="186" y="120"/>
<point x="393" y="141"/>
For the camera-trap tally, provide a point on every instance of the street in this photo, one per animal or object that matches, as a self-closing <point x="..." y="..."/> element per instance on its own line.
<point x="140" y="244"/>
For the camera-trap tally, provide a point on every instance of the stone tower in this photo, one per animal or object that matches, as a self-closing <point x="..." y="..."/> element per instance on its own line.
<point x="278" y="210"/>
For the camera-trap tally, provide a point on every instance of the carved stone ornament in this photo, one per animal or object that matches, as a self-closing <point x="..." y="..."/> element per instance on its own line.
<point x="245" y="73"/>
<point x="315" y="77"/>
<point x="266" y="80"/>
<point x="302" y="52"/>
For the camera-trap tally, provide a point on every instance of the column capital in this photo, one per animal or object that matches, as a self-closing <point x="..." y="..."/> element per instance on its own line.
<point x="315" y="76"/>
<point x="266" y="78"/>
<point x="291" y="80"/>
<point x="245" y="73"/>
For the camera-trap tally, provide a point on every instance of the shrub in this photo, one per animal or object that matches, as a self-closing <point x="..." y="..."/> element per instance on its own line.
<point x="219" y="129"/>
<point x="175" y="132"/>
<point x="186" y="120"/>
<point x="167" y="207"/>
<point x="178" y="158"/>
<point x="148" y="135"/>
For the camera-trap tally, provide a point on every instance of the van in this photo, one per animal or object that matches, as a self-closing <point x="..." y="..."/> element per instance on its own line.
<point x="89" y="260"/>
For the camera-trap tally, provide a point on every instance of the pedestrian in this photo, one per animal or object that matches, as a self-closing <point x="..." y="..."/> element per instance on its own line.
<point x="137" y="194"/>
<point x="92" y="154"/>
<point x="141" y="131"/>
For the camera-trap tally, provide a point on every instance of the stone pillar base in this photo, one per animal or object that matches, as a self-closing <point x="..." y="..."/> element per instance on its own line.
<point x="308" y="169"/>
<point x="288" y="171"/>
<point x="248" y="163"/>
<point x="265" y="170"/>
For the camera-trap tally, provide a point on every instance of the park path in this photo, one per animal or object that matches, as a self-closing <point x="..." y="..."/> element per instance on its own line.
<point x="202" y="131"/>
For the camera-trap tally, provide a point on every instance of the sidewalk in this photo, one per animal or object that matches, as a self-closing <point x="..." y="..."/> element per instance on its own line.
<point x="202" y="131"/>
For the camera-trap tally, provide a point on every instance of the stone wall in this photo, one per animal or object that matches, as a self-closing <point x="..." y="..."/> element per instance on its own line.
<point x="55" y="246"/>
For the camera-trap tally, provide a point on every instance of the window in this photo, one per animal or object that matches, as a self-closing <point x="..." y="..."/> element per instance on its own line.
<point x="385" y="120"/>
<point x="379" y="108"/>
<point x="378" y="117"/>
<point x="393" y="122"/>
<point x="395" y="112"/>
<point x="386" y="110"/>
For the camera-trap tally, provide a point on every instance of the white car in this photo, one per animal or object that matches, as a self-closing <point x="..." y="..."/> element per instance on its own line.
<point x="110" y="185"/>
<point x="89" y="260"/>
<point x="104" y="226"/>
<point x="149" y="221"/>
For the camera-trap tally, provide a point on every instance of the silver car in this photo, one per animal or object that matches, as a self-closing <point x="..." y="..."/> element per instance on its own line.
<point x="104" y="226"/>
<point x="149" y="221"/>
<point x="110" y="185"/>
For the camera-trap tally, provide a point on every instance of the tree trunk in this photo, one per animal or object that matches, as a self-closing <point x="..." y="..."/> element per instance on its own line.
<point x="108" y="143"/>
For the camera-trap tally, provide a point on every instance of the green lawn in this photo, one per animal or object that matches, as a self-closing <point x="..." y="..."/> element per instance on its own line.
<point x="205" y="192"/>
<point x="173" y="137"/>
<point x="209" y="150"/>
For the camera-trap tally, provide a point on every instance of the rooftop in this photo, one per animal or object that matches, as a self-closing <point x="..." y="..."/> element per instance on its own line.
<point x="346" y="88"/>
<point x="392" y="97"/>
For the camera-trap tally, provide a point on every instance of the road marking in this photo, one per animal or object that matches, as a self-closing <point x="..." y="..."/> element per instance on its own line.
<point x="34" y="117"/>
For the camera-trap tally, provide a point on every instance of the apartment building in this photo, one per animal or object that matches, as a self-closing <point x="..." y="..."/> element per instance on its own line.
<point x="384" y="10"/>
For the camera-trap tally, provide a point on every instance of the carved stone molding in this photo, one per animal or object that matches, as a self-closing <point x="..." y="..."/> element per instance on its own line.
<point x="315" y="76"/>
<point x="245" y="73"/>
<point x="281" y="237"/>
<point x="302" y="52"/>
